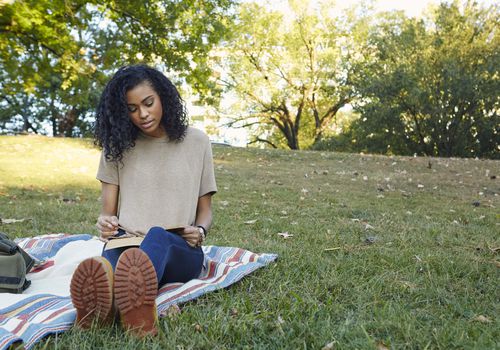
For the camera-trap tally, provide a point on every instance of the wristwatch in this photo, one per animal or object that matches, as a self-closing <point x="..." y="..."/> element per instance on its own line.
<point x="203" y="232"/>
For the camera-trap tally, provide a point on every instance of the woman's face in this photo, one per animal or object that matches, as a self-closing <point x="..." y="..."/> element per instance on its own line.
<point x="145" y="110"/>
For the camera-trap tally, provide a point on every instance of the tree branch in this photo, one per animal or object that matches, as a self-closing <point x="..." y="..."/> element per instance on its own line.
<point x="258" y="139"/>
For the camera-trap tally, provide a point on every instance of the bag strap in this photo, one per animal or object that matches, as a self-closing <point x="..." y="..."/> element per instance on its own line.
<point x="27" y="259"/>
<point x="8" y="247"/>
<point x="26" y="284"/>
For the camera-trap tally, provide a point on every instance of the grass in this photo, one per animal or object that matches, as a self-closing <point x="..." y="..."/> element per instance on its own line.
<point x="387" y="252"/>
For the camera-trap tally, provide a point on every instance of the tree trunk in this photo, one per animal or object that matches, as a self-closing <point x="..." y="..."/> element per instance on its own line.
<point x="68" y="122"/>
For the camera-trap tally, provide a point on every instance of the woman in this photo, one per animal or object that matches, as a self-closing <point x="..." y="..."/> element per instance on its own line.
<point x="156" y="174"/>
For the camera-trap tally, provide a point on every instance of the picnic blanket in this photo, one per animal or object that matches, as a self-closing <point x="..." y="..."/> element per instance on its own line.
<point x="45" y="307"/>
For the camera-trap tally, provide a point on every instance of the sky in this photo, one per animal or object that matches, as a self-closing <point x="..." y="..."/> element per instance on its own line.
<point x="412" y="8"/>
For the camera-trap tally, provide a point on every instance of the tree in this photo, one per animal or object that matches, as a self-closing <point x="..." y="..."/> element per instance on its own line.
<point x="291" y="74"/>
<point x="432" y="88"/>
<point x="58" y="54"/>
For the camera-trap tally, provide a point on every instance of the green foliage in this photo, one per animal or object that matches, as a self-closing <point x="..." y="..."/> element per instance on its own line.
<point x="432" y="85"/>
<point x="427" y="86"/>
<point x="386" y="251"/>
<point x="56" y="55"/>
<point x="290" y="72"/>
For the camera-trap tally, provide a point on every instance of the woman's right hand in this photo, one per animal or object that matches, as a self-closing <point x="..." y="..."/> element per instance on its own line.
<point x="107" y="225"/>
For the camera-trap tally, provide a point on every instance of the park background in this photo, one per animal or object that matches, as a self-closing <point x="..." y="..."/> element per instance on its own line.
<point x="297" y="74"/>
<point x="371" y="166"/>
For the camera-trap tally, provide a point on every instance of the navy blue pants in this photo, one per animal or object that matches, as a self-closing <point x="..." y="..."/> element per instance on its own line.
<point x="173" y="258"/>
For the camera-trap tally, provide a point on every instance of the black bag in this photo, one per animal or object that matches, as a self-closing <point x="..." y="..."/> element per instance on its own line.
<point x="15" y="263"/>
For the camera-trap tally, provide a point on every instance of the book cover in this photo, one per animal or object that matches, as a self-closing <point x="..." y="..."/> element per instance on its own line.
<point x="128" y="240"/>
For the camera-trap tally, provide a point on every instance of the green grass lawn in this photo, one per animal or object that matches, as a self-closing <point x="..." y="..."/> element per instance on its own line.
<point x="386" y="252"/>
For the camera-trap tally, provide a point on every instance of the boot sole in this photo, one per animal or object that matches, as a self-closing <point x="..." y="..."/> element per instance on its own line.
<point x="136" y="288"/>
<point x="91" y="292"/>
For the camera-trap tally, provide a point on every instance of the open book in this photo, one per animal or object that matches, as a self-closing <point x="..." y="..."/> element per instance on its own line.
<point x="132" y="241"/>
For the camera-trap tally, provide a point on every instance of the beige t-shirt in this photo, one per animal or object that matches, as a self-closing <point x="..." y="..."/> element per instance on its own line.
<point x="160" y="181"/>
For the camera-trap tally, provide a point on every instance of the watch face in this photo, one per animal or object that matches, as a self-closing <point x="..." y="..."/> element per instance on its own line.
<point x="202" y="233"/>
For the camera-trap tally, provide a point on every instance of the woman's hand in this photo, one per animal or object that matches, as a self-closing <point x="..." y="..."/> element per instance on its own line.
<point x="192" y="236"/>
<point x="107" y="226"/>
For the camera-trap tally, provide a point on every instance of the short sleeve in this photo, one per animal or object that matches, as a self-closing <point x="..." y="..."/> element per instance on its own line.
<point x="208" y="184"/>
<point x="107" y="171"/>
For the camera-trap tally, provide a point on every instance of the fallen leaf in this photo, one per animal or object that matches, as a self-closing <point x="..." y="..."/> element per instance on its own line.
<point x="173" y="310"/>
<point x="329" y="346"/>
<point x="381" y="346"/>
<point x="280" y="320"/>
<point x="68" y="200"/>
<point x="285" y="235"/>
<point x="250" y="222"/>
<point x="233" y="312"/>
<point x="369" y="227"/>
<point x="370" y="240"/>
<point x="482" y="319"/>
<point x="409" y="285"/>
<point x="197" y="328"/>
<point x="11" y="221"/>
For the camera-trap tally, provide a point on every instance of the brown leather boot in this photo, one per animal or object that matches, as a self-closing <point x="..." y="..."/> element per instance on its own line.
<point x="136" y="288"/>
<point x="91" y="291"/>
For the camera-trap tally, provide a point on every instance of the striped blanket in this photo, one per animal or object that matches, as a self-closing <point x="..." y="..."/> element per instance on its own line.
<point x="45" y="307"/>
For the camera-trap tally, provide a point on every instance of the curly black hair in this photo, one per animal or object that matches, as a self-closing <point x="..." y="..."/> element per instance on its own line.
<point x="114" y="132"/>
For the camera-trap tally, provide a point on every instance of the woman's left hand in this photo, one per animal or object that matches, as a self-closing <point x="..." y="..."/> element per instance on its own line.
<point x="192" y="236"/>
